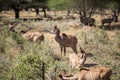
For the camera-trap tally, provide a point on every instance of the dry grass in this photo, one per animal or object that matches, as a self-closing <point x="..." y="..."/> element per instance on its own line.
<point x="101" y="44"/>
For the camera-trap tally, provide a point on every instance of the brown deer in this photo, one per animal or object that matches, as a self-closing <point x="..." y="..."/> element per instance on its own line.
<point x="106" y="72"/>
<point x="77" y="60"/>
<point x="96" y="73"/>
<point x="87" y="21"/>
<point x="33" y="36"/>
<point x="91" y="21"/>
<point x="65" y="40"/>
<point x="83" y="20"/>
<point x="108" y="20"/>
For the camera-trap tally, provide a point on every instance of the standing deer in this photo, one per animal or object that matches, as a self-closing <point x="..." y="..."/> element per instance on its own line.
<point x="108" y="20"/>
<point x="65" y="40"/>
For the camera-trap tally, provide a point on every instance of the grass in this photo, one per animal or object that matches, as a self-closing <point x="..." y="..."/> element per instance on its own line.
<point x="22" y="60"/>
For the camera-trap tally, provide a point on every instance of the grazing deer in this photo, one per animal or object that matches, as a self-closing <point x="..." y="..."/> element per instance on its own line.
<point x="108" y="20"/>
<point x="77" y="60"/>
<point x="83" y="20"/>
<point x="91" y="21"/>
<point x="97" y="73"/>
<point x="65" y="40"/>
<point x="33" y="36"/>
<point x="87" y="21"/>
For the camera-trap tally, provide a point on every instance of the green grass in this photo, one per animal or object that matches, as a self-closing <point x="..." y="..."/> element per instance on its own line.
<point x="22" y="60"/>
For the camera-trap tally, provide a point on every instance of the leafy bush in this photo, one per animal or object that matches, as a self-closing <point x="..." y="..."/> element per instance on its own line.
<point x="18" y="38"/>
<point x="4" y="69"/>
<point x="30" y="66"/>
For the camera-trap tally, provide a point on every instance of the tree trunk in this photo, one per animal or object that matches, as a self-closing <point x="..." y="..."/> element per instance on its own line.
<point x="17" y="14"/>
<point x="116" y="18"/>
<point x="116" y="15"/>
<point x="43" y="71"/>
<point x="92" y="9"/>
<point x="44" y="12"/>
<point x="37" y="11"/>
<point x="16" y="10"/>
<point x="68" y="12"/>
<point x="0" y="9"/>
<point x="84" y="9"/>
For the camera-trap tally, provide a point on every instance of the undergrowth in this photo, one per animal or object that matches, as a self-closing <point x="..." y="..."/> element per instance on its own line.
<point x="25" y="60"/>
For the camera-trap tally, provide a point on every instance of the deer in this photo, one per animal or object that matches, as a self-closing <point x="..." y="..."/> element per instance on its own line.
<point x="33" y="36"/>
<point x="87" y="21"/>
<point x="83" y="20"/>
<point x="91" y="21"/>
<point x="108" y="20"/>
<point x="77" y="60"/>
<point x="65" y="40"/>
<point x="106" y="72"/>
<point x="96" y="73"/>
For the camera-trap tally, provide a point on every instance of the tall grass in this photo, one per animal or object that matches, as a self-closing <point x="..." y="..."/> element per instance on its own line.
<point x="23" y="60"/>
<point x="102" y="47"/>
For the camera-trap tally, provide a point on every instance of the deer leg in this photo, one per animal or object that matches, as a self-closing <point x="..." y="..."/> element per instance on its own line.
<point x="74" y="49"/>
<point x="64" y="51"/>
<point x="102" y="24"/>
<point x="61" y="50"/>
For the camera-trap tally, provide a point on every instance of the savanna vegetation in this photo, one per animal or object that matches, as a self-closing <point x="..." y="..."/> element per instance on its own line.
<point x="95" y="23"/>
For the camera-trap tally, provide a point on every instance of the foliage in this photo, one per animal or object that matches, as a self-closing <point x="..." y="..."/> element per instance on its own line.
<point x="18" y="38"/>
<point x="29" y="66"/>
<point x="4" y="68"/>
<point x="26" y="63"/>
<point x="60" y="4"/>
<point x="86" y="8"/>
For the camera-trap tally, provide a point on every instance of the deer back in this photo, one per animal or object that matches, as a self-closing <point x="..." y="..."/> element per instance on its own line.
<point x="68" y="40"/>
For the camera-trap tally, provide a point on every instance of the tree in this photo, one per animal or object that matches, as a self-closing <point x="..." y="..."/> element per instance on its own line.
<point x="86" y="8"/>
<point x="60" y="5"/>
<point x="113" y="5"/>
<point x="18" y="5"/>
<point x="41" y="4"/>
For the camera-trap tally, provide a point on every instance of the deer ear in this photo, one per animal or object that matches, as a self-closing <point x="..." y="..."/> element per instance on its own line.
<point x="55" y="26"/>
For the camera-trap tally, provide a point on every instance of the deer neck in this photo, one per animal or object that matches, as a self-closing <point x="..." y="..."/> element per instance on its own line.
<point x="57" y="34"/>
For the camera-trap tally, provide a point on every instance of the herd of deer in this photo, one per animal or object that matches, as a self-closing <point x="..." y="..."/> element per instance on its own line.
<point x="75" y="60"/>
<point x="91" y="21"/>
<point x="28" y="34"/>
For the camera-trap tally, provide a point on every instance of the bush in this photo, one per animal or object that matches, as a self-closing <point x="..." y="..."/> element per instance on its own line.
<point x="18" y="38"/>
